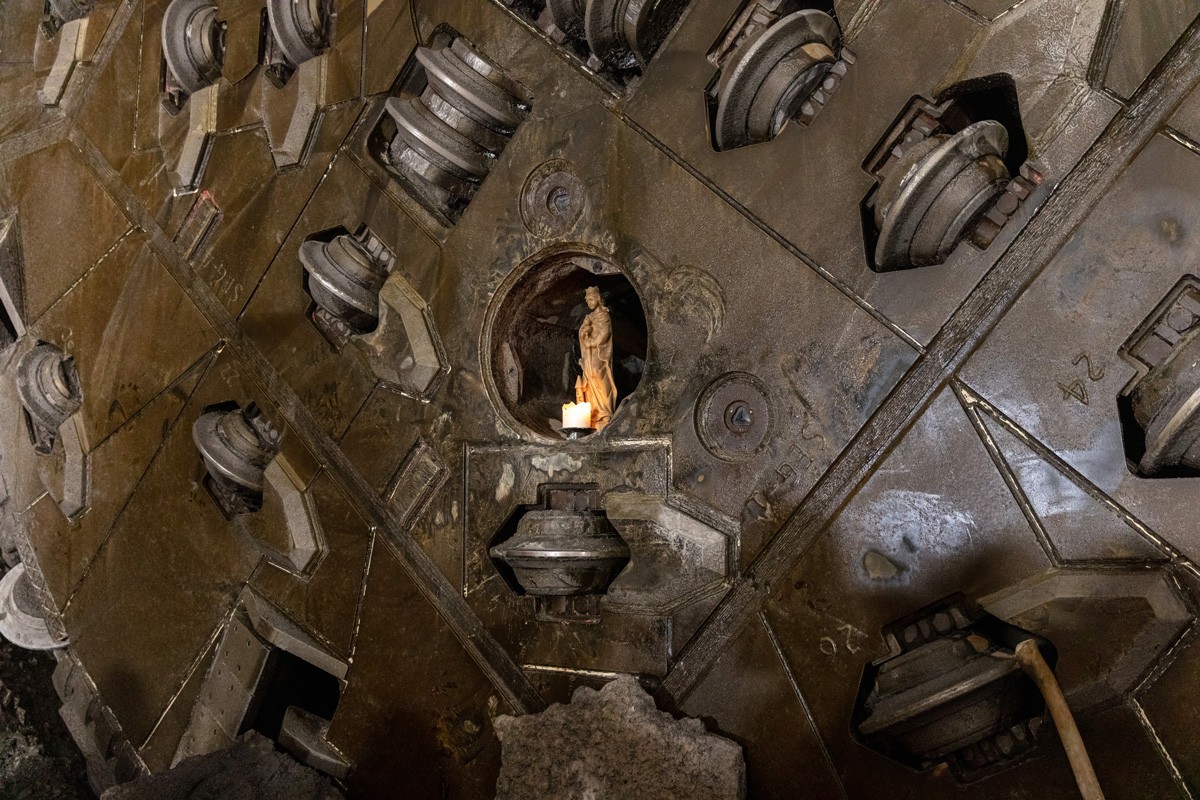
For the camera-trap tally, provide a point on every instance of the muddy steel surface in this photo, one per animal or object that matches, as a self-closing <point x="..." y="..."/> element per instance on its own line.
<point x="904" y="304"/>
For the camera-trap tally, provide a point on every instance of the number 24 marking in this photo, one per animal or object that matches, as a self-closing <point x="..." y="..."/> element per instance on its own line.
<point x="1076" y="388"/>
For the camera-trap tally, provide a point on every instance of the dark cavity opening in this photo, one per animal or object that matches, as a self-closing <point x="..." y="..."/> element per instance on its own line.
<point x="288" y="681"/>
<point x="535" y="337"/>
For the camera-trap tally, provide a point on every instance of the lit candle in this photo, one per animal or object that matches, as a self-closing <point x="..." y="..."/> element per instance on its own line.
<point x="577" y="415"/>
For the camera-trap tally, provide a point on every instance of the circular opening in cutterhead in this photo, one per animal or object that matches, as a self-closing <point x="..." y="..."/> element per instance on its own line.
<point x="551" y="340"/>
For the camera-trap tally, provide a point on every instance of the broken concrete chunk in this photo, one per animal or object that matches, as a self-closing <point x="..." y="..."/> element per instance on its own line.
<point x="252" y="769"/>
<point x="614" y="743"/>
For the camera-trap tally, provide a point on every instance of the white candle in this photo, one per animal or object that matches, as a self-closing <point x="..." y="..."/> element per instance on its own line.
<point x="577" y="415"/>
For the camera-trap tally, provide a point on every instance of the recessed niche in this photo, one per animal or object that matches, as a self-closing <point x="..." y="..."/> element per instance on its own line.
<point x="1160" y="408"/>
<point x="50" y="391"/>
<point x="450" y="115"/>
<point x="287" y="682"/>
<point x="532" y="339"/>
<point x="777" y="62"/>
<point x="613" y="39"/>
<point x="342" y="273"/>
<point x="235" y="446"/>
<point x="562" y="551"/>
<point x="948" y="171"/>
<point x="270" y="676"/>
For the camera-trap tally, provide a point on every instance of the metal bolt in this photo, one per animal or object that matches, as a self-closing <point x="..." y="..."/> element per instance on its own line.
<point x="559" y="201"/>
<point x="1180" y="319"/>
<point x="739" y="416"/>
<point x="1007" y="203"/>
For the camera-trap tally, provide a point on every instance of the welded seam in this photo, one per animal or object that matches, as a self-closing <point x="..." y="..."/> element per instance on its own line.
<point x="1050" y="228"/>
<point x="1106" y="43"/>
<point x="465" y="500"/>
<point x="1011" y="9"/>
<point x="24" y="512"/>
<point x="209" y="645"/>
<point x="333" y="650"/>
<point x="83" y="276"/>
<point x="292" y="228"/>
<point x="41" y="137"/>
<point x="362" y="595"/>
<point x="138" y="99"/>
<point x="808" y="714"/>
<point x="858" y="21"/>
<point x="488" y="654"/>
<point x="416" y="25"/>
<point x="1010" y="479"/>
<point x="352" y="415"/>
<point x="1182" y="642"/>
<point x="777" y="237"/>
<point x="211" y="356"/>
<point x="578" y="671"/>
<point x="80" y="81"/>
<point x="1081" y="482"/>
<point x="1183" y="139"/>
<point x="968" y="12"/>
<point x="1163" y="753"/>
<point x="362" y="50"/>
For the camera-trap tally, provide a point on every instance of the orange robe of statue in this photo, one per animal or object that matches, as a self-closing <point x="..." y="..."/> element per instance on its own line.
<point x="595" y="347"/>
